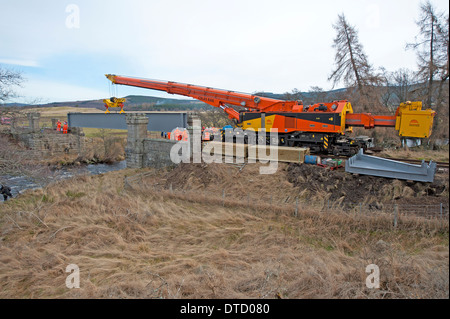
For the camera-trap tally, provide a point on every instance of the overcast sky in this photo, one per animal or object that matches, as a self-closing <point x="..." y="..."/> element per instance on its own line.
<point x="64" y="48"/>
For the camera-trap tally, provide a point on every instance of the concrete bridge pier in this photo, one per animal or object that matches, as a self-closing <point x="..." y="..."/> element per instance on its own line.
<point x="137" y="132"/>
<point x="33" y="121"/>
<point x="194" y="128"/>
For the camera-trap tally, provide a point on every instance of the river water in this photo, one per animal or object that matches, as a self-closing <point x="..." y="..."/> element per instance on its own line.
<point x="19" y="184"/>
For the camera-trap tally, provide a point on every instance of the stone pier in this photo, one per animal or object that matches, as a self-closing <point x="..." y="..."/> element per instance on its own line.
<point x="142" y="151"/>
<point x="54" y="124"/>
<point x="33" y="121"/>
<point x="137" y="132"/>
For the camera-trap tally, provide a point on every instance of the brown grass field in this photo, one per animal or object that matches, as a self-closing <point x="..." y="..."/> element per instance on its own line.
<point x="131" y="240"/>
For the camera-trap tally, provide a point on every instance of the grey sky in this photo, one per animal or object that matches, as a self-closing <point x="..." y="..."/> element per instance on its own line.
<point x="238" y="45"/>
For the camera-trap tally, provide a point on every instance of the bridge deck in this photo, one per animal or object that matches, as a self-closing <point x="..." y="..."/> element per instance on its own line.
<point x="158" y="121"/>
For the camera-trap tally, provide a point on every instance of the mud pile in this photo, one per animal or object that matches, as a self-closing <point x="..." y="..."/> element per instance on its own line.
<point x="347" y="188"/>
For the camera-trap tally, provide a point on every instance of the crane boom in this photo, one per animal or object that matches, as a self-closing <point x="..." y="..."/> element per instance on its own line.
<point x="211" y="96"/>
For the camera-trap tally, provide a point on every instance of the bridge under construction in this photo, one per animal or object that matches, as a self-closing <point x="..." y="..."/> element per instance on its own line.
<point x="157" y="121"/>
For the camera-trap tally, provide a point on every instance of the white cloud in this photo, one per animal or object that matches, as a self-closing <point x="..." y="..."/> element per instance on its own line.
<point x="48" y="91"/>
<point x="31" y="63"/>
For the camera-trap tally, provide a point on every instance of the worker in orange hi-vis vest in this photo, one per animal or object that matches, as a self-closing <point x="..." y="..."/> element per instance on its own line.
<point x="168" y="135"/>
<point x="58" y="126"/>
<point x="177" y="134"/>
<point x="185" y="135"/>
<point x="65" y="127"/>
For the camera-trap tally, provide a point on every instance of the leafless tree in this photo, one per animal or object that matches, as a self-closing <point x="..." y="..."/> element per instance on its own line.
<point x="8" y="79"/>
<point x="401" y="84"/>
<point x="213" y="117"/>
<point x="386" y="94"/>
<point x="317" y="95"/>
<point x="351" y="63"/>
<point x="294" y="95"/>
<point x="443" y="54"/>
<point x="428" y="45"/>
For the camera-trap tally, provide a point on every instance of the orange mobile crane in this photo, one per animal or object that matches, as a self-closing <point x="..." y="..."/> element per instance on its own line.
<point x="321" y="126"/>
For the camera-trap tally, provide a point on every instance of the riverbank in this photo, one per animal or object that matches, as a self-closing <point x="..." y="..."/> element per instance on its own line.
<point x="22" y="169"/>
<point x="19" y="184"/>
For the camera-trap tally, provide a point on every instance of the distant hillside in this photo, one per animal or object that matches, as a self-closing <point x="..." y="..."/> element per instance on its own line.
<point x="305" y="95"/>
<point x="143" y="102"/>
<point x="133" y="102"/>
<point x="14" y="104"/>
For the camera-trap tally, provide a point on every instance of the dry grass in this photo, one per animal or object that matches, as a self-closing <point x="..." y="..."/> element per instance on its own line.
<point x="419" y="153"/>
<point x="138" y="243"/>
<point x="96" y="132"/>
<point x="61" y="110"/>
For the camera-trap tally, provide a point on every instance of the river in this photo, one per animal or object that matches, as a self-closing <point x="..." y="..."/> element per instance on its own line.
<point x="19" y="184"/>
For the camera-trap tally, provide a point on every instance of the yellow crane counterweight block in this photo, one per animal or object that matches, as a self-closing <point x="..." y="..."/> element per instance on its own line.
<point x="412" y="121"/>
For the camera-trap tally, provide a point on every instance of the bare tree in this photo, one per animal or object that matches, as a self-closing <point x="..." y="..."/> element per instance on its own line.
<point x="443" y="54"/>
<point x="8" y="79"/>
<point x="427" y="46"/>
<point x="401" y="83"/>
<point x="213" y="117"/>
<point x="351" y="63"/>
<point x="386" y="94"/>
<point x="294" y="95"/>
<point x="317" y="94"/>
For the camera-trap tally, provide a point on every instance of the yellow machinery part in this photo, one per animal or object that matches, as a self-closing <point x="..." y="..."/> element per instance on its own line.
<point x="346" y="109"/>
<point x="255" y="124"/>
<point x="412" y="121"/>
<point x="114" y="102"/>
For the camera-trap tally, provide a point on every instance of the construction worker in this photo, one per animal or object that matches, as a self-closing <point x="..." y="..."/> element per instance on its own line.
<point x="65" y="127"/>
<point x="168" y="135"/>
<point x="58" y="126"/>
<point x="185" y="135"/>
<point x="177" y="134"/>
<point x="5" y="191"/>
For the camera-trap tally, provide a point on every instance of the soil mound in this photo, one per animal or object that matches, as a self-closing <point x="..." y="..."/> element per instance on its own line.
<point x="337" y="185"/>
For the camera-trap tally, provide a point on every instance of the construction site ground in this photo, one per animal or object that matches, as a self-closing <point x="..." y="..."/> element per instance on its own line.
<point x="311" y="184"/>
<point x="221" y="231"/>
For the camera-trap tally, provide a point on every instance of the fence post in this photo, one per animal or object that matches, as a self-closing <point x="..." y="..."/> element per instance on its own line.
<point x="223" y="197"/>
<point x="170" y="187"/>
<point x="360" y="208"/>
<point x="296" y="207"/>
<point x="441" y="211"/>
<point x="395" y="215"/>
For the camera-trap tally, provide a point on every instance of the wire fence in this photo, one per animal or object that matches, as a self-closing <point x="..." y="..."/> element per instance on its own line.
<point x="294" y="204"/>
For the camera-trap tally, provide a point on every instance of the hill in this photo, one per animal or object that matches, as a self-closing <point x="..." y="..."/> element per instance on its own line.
<point x="141" y="102"/>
